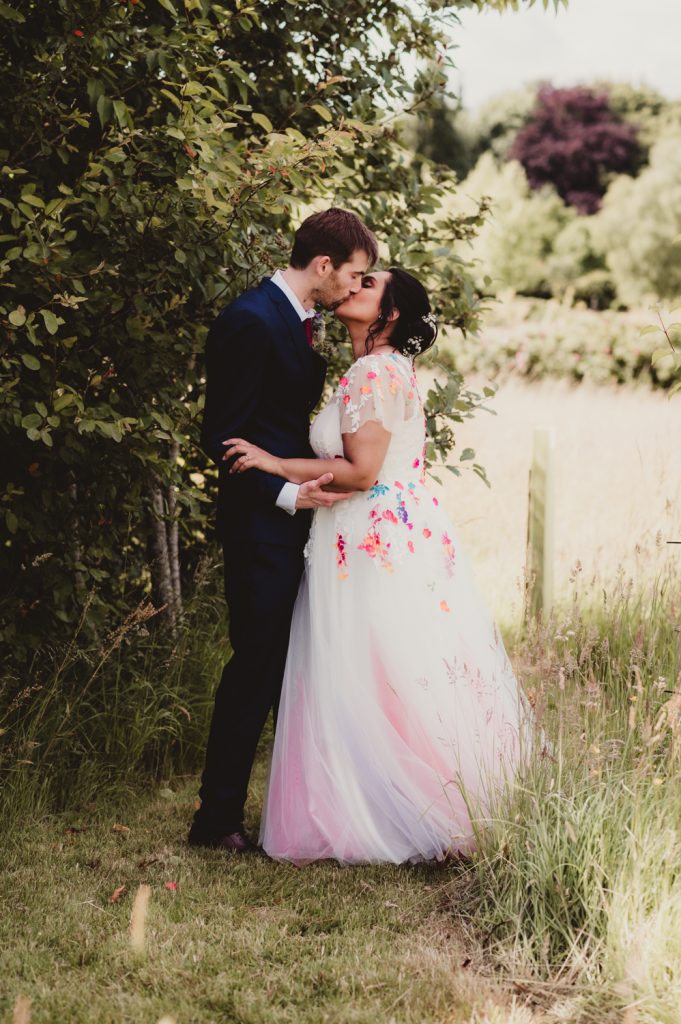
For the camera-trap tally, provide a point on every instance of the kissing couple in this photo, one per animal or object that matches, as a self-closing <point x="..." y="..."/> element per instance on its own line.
<point x="353" y="613"/>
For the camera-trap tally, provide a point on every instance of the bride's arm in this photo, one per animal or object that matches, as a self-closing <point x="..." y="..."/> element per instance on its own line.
<point x="363" y="455"/>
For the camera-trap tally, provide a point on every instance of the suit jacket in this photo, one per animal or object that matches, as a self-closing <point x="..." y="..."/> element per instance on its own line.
<point x="262" y="382"/>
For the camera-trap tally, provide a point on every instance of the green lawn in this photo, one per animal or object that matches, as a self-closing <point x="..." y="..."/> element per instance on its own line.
<point x="239" y="939"/>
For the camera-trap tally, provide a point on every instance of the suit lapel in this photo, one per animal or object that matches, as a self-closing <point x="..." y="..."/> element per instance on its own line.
<point x="291" y="322"/>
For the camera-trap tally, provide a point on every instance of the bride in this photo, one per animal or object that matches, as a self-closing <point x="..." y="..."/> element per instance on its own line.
<point x="400" y="716"/>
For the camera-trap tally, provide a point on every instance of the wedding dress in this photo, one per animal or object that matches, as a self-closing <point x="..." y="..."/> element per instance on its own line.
<point x="400" y="715"/>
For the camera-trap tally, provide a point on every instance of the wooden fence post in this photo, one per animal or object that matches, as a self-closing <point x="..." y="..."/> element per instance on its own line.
<point x="540" y="527"/>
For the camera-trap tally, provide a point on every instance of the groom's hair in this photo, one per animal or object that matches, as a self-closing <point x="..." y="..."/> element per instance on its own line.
<point x="334" y="233"/>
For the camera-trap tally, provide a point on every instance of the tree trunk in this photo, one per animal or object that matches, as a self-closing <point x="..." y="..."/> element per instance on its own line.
<point x="173" y="535"/>
<point x="161" y="572"/>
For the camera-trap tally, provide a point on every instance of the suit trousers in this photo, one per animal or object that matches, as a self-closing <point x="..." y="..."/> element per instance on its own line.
<point x="261" y="585"/>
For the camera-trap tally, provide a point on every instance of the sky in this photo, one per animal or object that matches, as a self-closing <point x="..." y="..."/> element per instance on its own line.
<point x="635" y="41"/>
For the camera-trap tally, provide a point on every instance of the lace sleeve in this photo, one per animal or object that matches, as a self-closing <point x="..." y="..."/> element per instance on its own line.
<point x="376" y="388"/>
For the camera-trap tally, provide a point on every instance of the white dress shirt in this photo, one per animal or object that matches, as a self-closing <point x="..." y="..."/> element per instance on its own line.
<point x="288" y="495"/>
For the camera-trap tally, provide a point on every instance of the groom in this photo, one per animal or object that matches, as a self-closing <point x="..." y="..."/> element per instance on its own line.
<point x="263" y="379"/>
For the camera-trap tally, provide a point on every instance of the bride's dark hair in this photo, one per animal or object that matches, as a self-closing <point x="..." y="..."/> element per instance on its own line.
<point x="415" y="328"/>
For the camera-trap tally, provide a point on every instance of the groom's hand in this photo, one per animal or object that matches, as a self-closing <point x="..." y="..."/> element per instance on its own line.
<point x="312" y="495"/>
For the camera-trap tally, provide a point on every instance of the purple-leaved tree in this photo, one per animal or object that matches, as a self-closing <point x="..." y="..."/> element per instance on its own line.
<point x="573" y="141"/>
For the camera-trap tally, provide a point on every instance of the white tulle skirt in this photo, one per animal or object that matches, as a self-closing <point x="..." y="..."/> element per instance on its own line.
<point x="400" y="718"/>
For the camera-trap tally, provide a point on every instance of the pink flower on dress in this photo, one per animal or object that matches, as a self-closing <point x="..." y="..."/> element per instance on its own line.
<point x="427" y="533"/>
<point x="343" y="382"/>
<point x="341" y="557"/>
<point x="346" y="399"/>
<point x="444" y="606"/>
<point x="371" y="375"/>
<point x="410" y="545"/>
<point x="416" y="463"/>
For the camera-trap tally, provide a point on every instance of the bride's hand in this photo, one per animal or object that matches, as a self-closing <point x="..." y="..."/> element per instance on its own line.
<point x="250" y="457"/>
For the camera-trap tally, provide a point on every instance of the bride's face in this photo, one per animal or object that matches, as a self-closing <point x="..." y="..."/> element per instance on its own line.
<point x="365" y="305"/>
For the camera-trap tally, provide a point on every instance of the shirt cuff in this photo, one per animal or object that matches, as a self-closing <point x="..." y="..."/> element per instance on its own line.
<point x="287" y="497"/>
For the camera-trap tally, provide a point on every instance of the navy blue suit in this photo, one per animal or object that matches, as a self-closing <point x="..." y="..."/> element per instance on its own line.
<point x="262" y="382"/>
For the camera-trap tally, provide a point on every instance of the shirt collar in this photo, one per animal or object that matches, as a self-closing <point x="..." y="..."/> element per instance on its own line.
<point x="278" y="279"/>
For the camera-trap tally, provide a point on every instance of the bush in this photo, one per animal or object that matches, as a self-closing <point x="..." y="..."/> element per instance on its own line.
<point x="573" y="141"/>
<point x="639" y="225"/>
<point x="596" y="289"/>
<point x="515" y="243"/>
<point x="574" y="255"/>
<point x="537" y="339"/>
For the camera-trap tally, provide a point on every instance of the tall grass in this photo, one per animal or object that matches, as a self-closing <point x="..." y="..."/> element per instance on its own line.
<point x="576" y="886"/>
<point x="94" y="718"/>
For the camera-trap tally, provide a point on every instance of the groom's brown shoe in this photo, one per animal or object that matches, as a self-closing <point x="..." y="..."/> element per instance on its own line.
<point x="237" y="842"/>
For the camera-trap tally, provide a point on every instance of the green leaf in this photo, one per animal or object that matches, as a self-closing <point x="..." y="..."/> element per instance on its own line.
<point x="121" y="112"/>
<point x="61" y="401"/>
<point x="18" y="317"/>
<point x="33" y="200"/>
<point x="10" y="14"/>
<point x="104" y="110"/>
<point x="51" y="321"/>
<point x="323" y="111"/>
<point x="168" y="6"/>
<point x="466" y="455"/>
<point x="30" y="361"/>
<point x="33" y="419"/>
<point x="263" y="121"/>
<point x="10" y="518"/>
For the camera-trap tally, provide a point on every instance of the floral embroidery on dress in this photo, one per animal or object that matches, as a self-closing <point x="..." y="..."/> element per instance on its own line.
<point x="376" y="548"/>
<point x="341" y="557"/>
<point x="450" y="554"/>
<point x="377" y="387"/>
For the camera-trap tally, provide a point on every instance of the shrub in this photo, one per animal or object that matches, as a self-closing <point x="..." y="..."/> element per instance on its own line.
<point x="639" y="225"/>
<point x="573" y="141"/>
<point x="515" y="243"/>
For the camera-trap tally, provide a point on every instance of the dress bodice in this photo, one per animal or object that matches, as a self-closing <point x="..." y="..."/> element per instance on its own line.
<point x="399" y="408"/>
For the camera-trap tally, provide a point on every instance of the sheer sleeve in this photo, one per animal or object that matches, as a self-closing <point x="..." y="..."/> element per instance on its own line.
<point x="378" y="388"/>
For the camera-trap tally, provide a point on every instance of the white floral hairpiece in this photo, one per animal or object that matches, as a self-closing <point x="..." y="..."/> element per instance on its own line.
<point x="412" y="347"/>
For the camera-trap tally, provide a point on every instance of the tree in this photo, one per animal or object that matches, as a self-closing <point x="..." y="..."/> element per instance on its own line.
<point x="499" y="120"/>
<point x="513" y="247"/>
<point x="154" y="160"/>
<point x="573" y="141"/>
<point x="639" y="227"/>
<point x="440" y="136"/>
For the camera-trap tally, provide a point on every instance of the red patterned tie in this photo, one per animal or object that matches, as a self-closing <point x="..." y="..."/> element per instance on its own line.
<point x="308" y="330"/>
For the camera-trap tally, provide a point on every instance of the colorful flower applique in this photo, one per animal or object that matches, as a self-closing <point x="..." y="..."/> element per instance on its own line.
<point x="376" y="548"/>
<point x="341" y="557"/>
<point x="378" y="490"/>
<point x="450" y="554"/>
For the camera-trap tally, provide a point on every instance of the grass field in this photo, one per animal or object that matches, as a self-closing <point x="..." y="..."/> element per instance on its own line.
<point x="618" y="489"/>
<point x="232" y="940"/>
<point x="570" y="911"/>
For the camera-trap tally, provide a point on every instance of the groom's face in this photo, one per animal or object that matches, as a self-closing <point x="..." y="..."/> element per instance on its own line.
<point x="337" y="284"/>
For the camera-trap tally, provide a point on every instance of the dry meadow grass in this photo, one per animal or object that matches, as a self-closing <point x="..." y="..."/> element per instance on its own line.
<point x="618" y="488"/>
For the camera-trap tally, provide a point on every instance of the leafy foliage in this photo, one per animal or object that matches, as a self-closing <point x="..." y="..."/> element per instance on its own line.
<point x="639" y="226"/>
<point x="538" y="339"/>
<point x="513" y="248"/>
<point x="154" y="161"/>
<point x="573" y="141"/>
